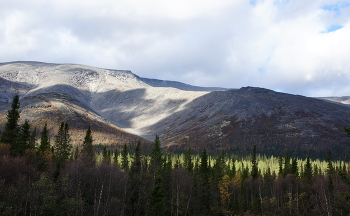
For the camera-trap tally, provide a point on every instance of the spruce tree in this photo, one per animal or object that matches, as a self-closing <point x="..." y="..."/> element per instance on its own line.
<point x="330" y="171"/>
<point x="23" y="139"/>
<point x="44" y="140"/>
<point x="157" y="198"/>
<point x="115" y="157"/>
<point x="136" y="164"/>
<point x="308" y="170"/>
<point x="63" y="147"/>
<point x="67" y="140"/>
<point x="87" y="151"/>
<point x="204" y="184"/>
<point x="287" y="165"/>
<point x="10" y="133"/>
<point x="329" y="160"/>
<point x="280" y="162"/>
<point x="156" y="155"/>
<point x="219" y="167"/>
<point x="134" y="205"/>
<point x="233" y="169"/>
<point x="255" y="171"/>
<point x="188" y="164"/>
<point x="125" y="160"/>
<point x="294" y="168"/>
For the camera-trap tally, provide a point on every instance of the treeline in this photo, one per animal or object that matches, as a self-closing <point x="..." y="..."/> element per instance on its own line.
<point x="45" y="179"/>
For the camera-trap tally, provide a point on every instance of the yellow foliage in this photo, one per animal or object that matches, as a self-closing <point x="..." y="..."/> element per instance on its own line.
<point x="237" y="180"/>
<point x="224" y="185"/>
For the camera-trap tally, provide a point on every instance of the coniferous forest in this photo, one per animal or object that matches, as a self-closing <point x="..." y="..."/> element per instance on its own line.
<point x="43" y="177"/>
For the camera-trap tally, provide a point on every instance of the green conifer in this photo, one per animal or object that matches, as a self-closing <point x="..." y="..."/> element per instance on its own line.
<point x="308" y="170"/>
<point x="115" y="157"/>
<point x="133" y="205"/>
<point x="44" y="140"/>
<point x="125" y="160"/>
<point x="204" y="184"/>
<point x="255" y="171"/>
<point x="157" y="198"/>
<point x="23" y="139"/>
<point x="10" y="133"/>
<point x="287" y="165"/>
<point x="63" y="146"/>
<point x="188" y="164"/>
<point x="294" y="168"/>
<point x="280" y="161"/>
<point x="329" y="160"/>
<point x="233" y="169"/>
<point x="87" y="151"/>
<point x="156" y="155"/>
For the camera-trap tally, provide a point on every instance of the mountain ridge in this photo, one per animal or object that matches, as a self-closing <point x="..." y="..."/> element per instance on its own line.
<point x="183" y="115"/>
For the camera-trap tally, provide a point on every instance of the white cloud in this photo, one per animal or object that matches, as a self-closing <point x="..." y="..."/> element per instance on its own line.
<point x="284" y="45"/>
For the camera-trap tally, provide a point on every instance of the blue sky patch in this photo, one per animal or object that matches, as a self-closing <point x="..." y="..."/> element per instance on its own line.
<point x="253" y="2"/>
<point x="336" y="7"/>
<point x="333" y="28"/>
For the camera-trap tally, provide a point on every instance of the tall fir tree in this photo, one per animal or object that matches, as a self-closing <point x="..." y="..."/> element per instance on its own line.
<point x="329" y="160"/>
<point x="44" y="140"/>
<point x="157" y="197"/>
<point x="156" y="155"/>
<point x="10" y="133"/>
<point x="204" y="185"/>
<point x="125" y="159"/>
<point x="87" y="152"/>
<point x="255" y="171"/>
<point x="115" y="157"/>
<point x="188" y="163"/>
<point x="219" y="167"/>
<point x="233" y="169"/>
<point x="23" y="139"/>
<point x="287" y="165"/>
<point x="280" y="166"/>
<point x="135" y="204"/>
<point x="308" y="170"/>
<point x="294" y="168"/>
<point x="63" y="146"/>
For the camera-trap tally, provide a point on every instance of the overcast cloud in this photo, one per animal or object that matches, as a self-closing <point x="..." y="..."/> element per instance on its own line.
<point x="293" y="46"/>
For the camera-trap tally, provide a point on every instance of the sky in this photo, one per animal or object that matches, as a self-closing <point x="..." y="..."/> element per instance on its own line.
<point x="293" y="46"/>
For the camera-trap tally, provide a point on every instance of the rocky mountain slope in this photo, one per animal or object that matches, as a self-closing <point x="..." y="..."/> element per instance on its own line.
<point x="122" y="106"/>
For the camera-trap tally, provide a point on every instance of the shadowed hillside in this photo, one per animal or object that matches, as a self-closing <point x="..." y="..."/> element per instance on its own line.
<point x="234" y="120"/>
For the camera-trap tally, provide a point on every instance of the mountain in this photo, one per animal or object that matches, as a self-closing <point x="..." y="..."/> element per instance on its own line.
<point x="235" y="120"/>
<point x="122" y="107"/>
